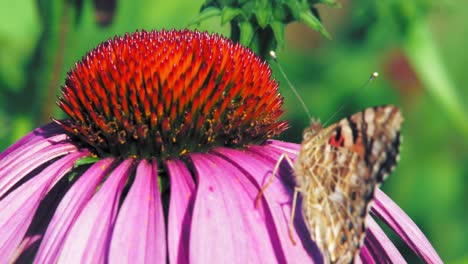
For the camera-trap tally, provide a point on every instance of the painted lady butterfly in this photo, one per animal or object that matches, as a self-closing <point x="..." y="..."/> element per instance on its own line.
<point x="337" y="171"/>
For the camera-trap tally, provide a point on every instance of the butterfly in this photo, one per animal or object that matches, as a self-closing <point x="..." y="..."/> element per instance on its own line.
<point x="336" y="173"/>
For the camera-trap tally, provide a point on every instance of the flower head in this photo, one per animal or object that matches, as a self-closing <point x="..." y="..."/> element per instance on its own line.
<point x="160" y="94"/>
<point x="162" y="157"/>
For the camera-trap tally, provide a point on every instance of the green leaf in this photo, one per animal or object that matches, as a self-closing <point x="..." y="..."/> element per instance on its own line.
<point x="246" y="33"/>
<point x="229" y="14"/>
<point x="263" y="13"/>
<point x="205" y="14"/>
<point x="278" y="31"/>
<point x="86" y="160"/>
<point x="313" y="22"/>
<point x="163" y="183"/>
<point x="294" y="7"/>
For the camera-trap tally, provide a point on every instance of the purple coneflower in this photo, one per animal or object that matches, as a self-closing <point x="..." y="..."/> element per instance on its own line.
<point x="165" y="150"/>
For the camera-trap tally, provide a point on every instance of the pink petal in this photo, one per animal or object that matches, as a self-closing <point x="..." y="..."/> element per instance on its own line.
<point x="223" y="191"/>
<point x="68" y="210"/>
<point x="89" y="238"/>
<point x="180" y="210"/>
<point x="30" y="146"/>
<point x="23" y="162"/>
<point x="396" y="219"/>
<point x="379" y="245"/>
<point x="18" y="207"/>
<point x="276" y="150"/>
<point x="277" y="206"/>
<point x="364" y="256"/>
<point x="43" y="133"/>
<point x="283" y="146"/>
<point x="139" y="234"/>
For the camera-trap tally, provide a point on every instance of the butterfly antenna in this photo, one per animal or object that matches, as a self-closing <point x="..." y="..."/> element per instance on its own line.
<point x="373" y="76"/>
<point x="291" y="86"/>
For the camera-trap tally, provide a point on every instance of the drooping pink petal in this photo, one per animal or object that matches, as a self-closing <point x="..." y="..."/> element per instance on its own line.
<point x="364" y="256"/>
<point x="180" y="210"/>
<point x="34" y="143"/>
<point x="284" y="146"/>
<point x="89" y="237"/>
<point x="23" y="163"/>
<point x="18" y="207"/>
<point x="139" y="235"/>
<point x="225" y="224"/>
<point x="277" y="206"/>
<point x="380" y="246"/>
<point x="396" y="219"/>
<point x="68" y="210"/>
<point x="39" y="134"/>
<point x="276" y="150"/>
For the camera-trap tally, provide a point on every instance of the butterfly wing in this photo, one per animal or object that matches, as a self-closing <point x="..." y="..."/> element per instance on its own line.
<point x="337" y="171"/>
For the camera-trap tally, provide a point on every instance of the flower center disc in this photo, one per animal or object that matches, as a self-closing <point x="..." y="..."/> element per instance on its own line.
<point x="167" y="93"/>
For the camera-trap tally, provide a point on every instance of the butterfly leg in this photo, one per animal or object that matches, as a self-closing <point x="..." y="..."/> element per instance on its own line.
<point x="296" y="191"/>
<point x="270" y="179"/>
<point x="293" y="210"/>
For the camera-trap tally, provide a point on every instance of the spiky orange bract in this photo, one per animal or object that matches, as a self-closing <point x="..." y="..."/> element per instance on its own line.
<point x="164" y="93"/>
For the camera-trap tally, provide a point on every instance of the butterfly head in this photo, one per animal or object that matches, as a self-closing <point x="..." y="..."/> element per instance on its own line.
<point x="315" y="126"/>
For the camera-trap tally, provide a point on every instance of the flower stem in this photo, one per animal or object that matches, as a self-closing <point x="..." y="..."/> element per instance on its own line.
<point x="54" y="82"/>
<point x="425" y="59"/>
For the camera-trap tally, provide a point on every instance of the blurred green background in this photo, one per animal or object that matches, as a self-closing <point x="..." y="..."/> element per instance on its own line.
<point x="420" y="50"/>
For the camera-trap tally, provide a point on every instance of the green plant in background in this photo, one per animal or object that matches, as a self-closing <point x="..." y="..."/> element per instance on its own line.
<point x="409" y="21"/>
<point x="260" y="24"/>
<point x="41" y="41"/>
